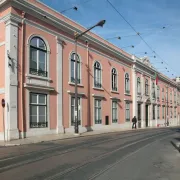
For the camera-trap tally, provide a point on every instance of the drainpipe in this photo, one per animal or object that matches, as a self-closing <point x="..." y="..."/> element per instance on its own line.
<point x="22" y="73"/>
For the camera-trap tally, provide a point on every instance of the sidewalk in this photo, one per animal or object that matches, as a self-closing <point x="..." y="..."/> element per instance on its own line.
<point x="53" y="137"/>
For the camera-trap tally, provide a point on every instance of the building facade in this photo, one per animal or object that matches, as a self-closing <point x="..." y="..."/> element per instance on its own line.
<point x="37" y="66"/>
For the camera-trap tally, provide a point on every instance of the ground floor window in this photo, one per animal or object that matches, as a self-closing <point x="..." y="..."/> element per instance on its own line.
<point x="114" y="112"/>
<point x="38" y="110"/>
<point x="139" y="112"/>
<point x="175" y="112"/>
<point x="153" y="111"/>
<point x="97" y="111"/>
<point x="171" y="112"/>
<point x="163" y="112"/>
<point x="158" y="112"/>
<point x="73" y="111"/>
<point x="127" y="114"/>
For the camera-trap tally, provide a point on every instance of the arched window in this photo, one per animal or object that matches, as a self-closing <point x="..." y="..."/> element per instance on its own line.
<point x="138" y="85"/>
<point x="127" y="83"/>
<point x="114" y="79"/>
<point x="171" y="96"/>
<point x="73" y="68"/>
<point x="153" y="90"/>
<point x="146" y="87"/>
<point x="158" y="92"/>
<point x="38" y="57"/>
<point x="97" y="75"/>
<point x="162" y="93"/>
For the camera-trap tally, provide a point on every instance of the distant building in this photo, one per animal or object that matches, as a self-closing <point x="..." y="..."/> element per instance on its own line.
<point x="37" y="75"/>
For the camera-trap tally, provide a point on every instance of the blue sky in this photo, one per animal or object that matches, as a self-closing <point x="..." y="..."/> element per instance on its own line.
<point x="148" y="17"/>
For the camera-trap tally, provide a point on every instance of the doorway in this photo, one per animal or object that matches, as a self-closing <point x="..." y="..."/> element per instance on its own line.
<point x="139" y="115"/>
<point x="146" y="109"/>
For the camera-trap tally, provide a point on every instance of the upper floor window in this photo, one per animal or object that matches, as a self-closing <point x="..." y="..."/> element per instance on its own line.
<point x="170" y="96"/>
<point x="146" y="87"/>
<point x="158" y="91"/>
<point x="114" y="79"/>
<point x="174" y="97"/>
<point x="73" y="68"/>
<point x="138" y="85"/>
<point x="153" y="90"/>
<point x="166" y="95"/>
<point x="162" y="93"/>
<point x="97" y="75"/>
<point x="38" y="57"/>
<point x="127" y="83"/>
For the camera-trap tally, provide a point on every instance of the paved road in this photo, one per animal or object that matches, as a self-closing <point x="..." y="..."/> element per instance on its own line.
<point x="136" y="155"/>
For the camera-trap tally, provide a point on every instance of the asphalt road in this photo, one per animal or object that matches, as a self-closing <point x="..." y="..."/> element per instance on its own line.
<point x="136" y="155"/>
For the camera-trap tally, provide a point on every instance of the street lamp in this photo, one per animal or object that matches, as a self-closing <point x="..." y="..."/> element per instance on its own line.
<point x="100" y="23"/>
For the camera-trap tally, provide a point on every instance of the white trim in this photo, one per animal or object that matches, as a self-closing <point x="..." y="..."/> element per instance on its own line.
<point x="80" y="62"/>
<point x="2" y="90"/>
<point x="125" y="84"/>
<point x="38" y="87"/>
<point x="73" y="84"/>
<point x="100" y="75"/>
<point x="80" y="97"/>
<point x="97" y="98"/>
<point x="115" y="100"/>
<point x="47" y="54"/>
<point x="2" y="43"/>
<point x="36" y="131"/>
<point x="73" y="93"/>
<point x="29" y="76"/>
<point x="1" y="136"/>
<point x="100" y="89"/>
<point x="116" y="80"/>
<point x="59" y="76"/>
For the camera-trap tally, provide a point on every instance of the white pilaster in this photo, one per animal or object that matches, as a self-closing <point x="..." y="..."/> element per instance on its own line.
<point x="60" y="128"/>
<point x="142" y="105"/>
<point x="11" y="80"/>
<point x="134" y="83"/>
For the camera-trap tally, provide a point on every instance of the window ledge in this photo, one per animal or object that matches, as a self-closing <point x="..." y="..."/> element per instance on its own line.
<point x="127" y="94"/>
<point x="73" y="84"/>
<point x="100" y="89"/>
<point x="116" y="92"/>
<point x="38" y="77"/>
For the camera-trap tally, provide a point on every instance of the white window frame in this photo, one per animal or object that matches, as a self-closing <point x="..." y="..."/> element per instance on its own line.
<point x="96" y="74"/>
<point x="174" y="112"/>
<point x="163" y="112"/>
<point x="96" y="115"/>
<point x="153" y="90"/>
<point x="112" y="111"/>
<point x="126" y="108"/>
<point x="114" y="82"/>
<point x="158" y="92"/>
<point x="80" y="114"/>
<point x="80" y="69"/>
<point x="127" y="85"/>
<point x="158" y="112"/>
<point x="162" y="94"/>
<point x="146" y="87"/>
<point x="138" y="85"/>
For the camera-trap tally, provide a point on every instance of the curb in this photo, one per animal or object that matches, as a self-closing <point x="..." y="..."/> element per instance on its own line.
<point x="82" y="135"/>
<point x="176" y="144"/>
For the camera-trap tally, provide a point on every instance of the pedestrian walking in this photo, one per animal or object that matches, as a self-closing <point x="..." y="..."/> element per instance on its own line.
<point x="134" y="121"/>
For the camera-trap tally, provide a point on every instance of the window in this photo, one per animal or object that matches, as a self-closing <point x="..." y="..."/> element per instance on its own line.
<point x="73" y="68"/>
<point x="153" y="112"/>
<point x="158" y="90"/>
<point x="38" y="57"/>
<point x="38" y="110"/>
<point x="127" y="111"/>
<point x="73" y="111"/>
<point x="97" y="111"/>
<point x="127" y="83"/>
<point x="175" y="112"/>
<point x="171" y="112"/>
<point x="146" y="87"/>
<point x="97" y="75"/>
<point x="114" y="79"/>
<point x="174" y="97"/>
<point x="166" y="95"/>
<point x="114" y="112"/>
<point x="163" y="112"/>
<point x="162" y="93"/>
<point x="139" y="112"/>
<point x="170" y="96"/>
<point x="138" y="85"/>
<point x="158" y="112"/>
<point x="153" y="90"/>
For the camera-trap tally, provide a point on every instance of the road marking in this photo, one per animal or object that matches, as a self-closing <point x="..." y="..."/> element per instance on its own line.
<point x="98" y="158"/>
<point x="124" y="158"/>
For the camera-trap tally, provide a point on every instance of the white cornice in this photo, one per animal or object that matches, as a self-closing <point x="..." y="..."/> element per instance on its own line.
<point x="54" y="21"/>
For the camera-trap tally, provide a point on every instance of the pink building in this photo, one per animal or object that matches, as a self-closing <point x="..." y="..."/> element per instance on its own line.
<point x="37" y="78"/>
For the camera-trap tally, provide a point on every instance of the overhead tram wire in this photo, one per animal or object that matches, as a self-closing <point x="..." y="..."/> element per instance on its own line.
<point x="137" y="33"/>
